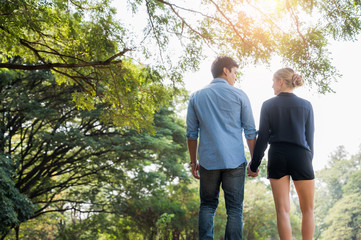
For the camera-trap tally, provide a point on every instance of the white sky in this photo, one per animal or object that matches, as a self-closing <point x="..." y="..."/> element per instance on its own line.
<point x="337" y="115"/>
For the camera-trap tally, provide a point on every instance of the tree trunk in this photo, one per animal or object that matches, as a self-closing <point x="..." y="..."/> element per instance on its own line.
<point x="17" y="230"/>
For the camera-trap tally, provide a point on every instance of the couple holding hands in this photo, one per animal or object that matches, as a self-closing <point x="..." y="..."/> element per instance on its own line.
<point x="219" y="115"/>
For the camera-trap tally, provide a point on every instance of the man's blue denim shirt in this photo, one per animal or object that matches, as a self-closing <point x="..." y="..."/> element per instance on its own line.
<point x="218" y="114"/>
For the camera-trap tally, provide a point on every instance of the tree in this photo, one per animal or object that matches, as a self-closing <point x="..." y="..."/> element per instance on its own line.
<point x="67" y="159"/>
<point x="337" y="173"/>
<point x="15" y="207"/>
<point x="168" y="213"/>
<point x="344" y="219"/>
<point x="337" y="206"/>
<point x="259" y="213"/>
<point x="83" y="44"/>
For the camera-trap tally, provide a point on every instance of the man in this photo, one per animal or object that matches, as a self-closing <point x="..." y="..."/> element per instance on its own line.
<point x="218" y="114"/>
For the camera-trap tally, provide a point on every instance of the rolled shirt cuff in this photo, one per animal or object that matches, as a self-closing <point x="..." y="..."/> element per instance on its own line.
<point x="192" y="135"/>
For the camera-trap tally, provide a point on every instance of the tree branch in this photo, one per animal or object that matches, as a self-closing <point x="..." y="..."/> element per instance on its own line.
<point x="294" y="17"/>
<point x="334" y="2"/>
<point x="12" y="13"/>
<point x="36" y="52"/>
<point x="154" y="32"/>
<point x="184" y="21"/>
<point x="118" y="55"/>
<point x="190" y="10"/>
<point x="50" y="66"/>
<point x="71" y="208"/>
<point x="230" y="23"/>
<point x="264" y="15"/>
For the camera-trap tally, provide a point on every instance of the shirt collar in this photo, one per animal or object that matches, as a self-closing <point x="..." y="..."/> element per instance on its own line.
<point x="219" y="80"/>
<point x="286" y="94"/>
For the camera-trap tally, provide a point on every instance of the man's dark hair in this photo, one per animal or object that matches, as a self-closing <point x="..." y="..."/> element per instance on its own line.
<point x="220" y="63"/>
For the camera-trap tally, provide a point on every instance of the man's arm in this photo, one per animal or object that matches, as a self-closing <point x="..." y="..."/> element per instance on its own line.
<point x="192" y="149"/>
<point x="251" y="144"/>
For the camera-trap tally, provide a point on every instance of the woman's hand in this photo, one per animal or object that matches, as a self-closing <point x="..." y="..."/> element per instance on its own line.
<point x="250" y="173"/>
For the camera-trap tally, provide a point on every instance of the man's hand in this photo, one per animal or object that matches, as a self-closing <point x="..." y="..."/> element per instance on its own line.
<point x="192" y="148"/>
<point x="195" y="170"/>
<point x="250" y="173"/>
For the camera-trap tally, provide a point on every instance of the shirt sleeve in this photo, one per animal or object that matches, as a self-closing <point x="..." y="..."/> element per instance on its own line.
<point x="262" y="140"/>
<point x="247" y="120"/>
<point x="192" y="121"/>
<point x="310" y="129"/>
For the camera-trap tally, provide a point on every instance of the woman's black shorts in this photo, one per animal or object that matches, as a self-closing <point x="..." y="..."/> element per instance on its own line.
<point x="289" y="159"/>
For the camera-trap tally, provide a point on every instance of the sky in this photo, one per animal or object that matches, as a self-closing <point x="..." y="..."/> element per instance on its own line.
<point x="337" y="115"/>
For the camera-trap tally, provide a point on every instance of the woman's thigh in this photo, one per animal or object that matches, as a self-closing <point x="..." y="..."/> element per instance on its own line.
<point x="306" y="192"/>
<point x="281" y="191"/>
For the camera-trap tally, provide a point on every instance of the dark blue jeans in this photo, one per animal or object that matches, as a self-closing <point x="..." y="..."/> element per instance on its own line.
<point x="232" y="181"/>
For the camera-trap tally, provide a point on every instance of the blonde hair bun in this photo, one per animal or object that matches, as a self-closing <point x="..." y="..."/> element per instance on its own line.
<point x="297" y="80"/>
<point x="291" y="78"/>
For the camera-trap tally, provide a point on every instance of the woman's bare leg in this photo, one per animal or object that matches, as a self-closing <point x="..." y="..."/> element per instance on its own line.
<point x="281" y="196"/>
<point x="306" y="191"/>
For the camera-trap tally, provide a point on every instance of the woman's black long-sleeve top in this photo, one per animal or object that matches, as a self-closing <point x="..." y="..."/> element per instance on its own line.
<point x="285" y="118"/>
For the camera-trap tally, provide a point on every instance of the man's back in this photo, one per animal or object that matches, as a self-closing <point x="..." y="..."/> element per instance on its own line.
<point x="221" y="112"/>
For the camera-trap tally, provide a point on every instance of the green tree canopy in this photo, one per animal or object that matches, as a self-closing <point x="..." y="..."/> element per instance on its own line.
<point x="64" y="158"/>
<point x="14" y="206"/>
<point x="337" y="197"/>
<point x="83" y="43"/>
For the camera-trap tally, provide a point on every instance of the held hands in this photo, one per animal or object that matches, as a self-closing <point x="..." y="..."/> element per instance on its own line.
<point x="250" y="173"/>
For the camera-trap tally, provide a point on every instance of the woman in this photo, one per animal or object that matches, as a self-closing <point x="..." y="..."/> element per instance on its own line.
<point x="287" y="125"/>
